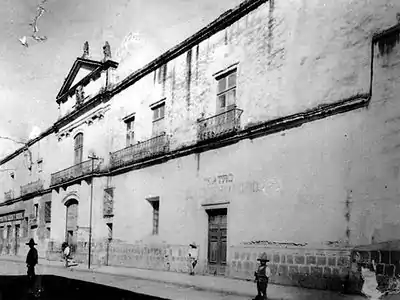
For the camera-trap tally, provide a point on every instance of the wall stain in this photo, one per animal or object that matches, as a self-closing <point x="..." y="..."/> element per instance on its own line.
<point x="270" y="25"/>
<point x="348" y="213"/>
<point x="188" y="76"/>
<point x="387" y="42"/>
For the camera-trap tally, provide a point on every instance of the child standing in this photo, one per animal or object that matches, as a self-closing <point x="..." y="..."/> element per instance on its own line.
<point x="262" y="276"/>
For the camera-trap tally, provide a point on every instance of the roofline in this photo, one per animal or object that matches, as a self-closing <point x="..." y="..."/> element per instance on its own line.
<point x="223" y="21"/>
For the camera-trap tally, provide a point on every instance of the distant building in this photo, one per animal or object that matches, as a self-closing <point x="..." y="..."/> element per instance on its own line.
<point x="274" y="128"/>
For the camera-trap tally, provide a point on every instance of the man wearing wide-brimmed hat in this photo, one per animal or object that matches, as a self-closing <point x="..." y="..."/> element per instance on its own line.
<point x="31" y="260"/>
<point x="193" y="257"/>
<point x="262" y="276"/>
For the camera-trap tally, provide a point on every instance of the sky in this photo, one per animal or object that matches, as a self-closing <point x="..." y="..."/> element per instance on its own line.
<point x="31" y="77"/>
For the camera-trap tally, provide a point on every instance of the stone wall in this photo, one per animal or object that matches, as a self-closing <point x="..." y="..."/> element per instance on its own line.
<point x="326" y="268"/>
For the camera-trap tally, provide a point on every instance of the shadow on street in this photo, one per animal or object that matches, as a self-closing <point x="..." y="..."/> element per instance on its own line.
<point x="56" y="287"/>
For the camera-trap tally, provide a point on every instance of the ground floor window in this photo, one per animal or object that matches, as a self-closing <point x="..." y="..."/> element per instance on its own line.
<point x="155" y="203"/>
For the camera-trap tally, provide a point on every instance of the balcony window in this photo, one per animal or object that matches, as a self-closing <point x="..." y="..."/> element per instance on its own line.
<point x="78" y="148"/>
<point x="130" y="131"/>
<point x="158" y="118"/>
<point x="226" y="91"/>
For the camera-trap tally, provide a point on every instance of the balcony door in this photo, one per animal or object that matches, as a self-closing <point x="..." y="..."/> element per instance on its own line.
<point x="78" y="148"/>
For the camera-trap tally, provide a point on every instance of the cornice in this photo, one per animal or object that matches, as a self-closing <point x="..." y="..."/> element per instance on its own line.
<point x="88" y="120"/>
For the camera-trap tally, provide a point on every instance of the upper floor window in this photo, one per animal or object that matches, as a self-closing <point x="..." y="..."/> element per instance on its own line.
<point x="36" y="210"/>
<point x="158" y="112"/>
<point x="78" y="148"/>
<point x="226" y="92"/>
<point x="158" y="117"/>
<point x="40" y="165"/>
<point x="130" y="131"/>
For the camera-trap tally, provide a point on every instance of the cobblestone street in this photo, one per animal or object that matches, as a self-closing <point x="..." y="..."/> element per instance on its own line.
<point x="119" y="278"/>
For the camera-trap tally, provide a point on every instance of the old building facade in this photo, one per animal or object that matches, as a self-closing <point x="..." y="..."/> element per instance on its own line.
<point x="265" y="131"/>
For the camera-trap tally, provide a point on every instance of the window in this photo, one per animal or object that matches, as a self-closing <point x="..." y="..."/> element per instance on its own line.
<point x="158" y="118"/>
<point x="47" y="212"/>
<point x="36" y="210"/>
<point x="155" y="203"/>
<point x="130" y="131"/>
<point x="48" y="230"/>
<point x="26" y="227"/>
<point x="40" y="165"/>
<point x="156" y="214"/>
<point x="158" y="112"/>
<point x="110" y="233"/>
<point x="78" y="148"/>
<point x="226" y="93"/>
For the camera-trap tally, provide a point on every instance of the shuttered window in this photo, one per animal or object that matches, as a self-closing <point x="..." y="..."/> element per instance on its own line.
<point x="78" y="148"/>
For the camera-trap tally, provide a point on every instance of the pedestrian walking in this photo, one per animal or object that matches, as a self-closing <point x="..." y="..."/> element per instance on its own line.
<point x="193" y="257"/>
<point x="31" y="261"/>
<point x="262" y="277"/>
<point x="66" y="253"/>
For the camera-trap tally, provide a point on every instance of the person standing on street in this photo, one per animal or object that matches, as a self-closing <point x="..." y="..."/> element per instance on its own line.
<point x="31" y="261"/>
<point x="66" y="253"/>
<point x="262" y="277"/>
<point x="193" y="257"/>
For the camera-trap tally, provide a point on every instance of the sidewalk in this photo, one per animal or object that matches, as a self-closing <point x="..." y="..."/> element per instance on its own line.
<point x="202" y="283"/>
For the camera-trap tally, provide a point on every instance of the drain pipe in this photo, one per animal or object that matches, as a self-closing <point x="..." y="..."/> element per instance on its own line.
<point x="92" y="157"/>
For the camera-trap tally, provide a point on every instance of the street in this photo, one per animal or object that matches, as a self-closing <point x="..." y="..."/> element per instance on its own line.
<point x="161" y="290"/>
<point x="155" y="289"/>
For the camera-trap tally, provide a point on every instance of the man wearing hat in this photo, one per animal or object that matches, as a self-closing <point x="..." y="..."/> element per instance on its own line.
<point x="262" y="276"/>
<point x="31" y="260"/>
<point x="193" y="257"/>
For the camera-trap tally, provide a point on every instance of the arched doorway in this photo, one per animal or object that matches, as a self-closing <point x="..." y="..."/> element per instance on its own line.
<point x="71" y="226"/>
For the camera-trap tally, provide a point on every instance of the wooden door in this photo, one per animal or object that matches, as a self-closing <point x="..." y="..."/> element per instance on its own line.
<point x="217" y="241"/>
<point x="17" y="238"/>
<point x="8" y="239"/>
<point x="72" y="224"/>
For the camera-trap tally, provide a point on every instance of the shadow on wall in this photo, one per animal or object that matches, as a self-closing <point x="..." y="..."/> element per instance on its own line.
<point x="55" y="287"/>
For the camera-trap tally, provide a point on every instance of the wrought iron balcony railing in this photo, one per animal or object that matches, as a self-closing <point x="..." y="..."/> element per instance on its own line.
<point x="219" y="125"/>
<point x="9" y="195"/>
<point x="76" y="171"/>
<point x="32" y="187"/>
<point x="139" y="151"/>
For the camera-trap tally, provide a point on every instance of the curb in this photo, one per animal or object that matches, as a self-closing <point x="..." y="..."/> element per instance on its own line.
<point x="178" y="284"/>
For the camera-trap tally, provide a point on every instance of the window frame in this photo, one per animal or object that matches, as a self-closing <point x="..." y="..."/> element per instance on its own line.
<point x="226" y="75"/>
<point x="78" y="148"/>
<point x="130" y="131"/>
<point x="155" y="204"/>
<point x="40" y="165"/>
<point x="160" y="107"/>
<point x="36" y="209"/>
<point x="156" y="217"/>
